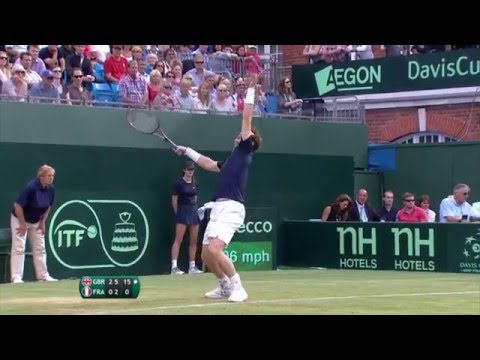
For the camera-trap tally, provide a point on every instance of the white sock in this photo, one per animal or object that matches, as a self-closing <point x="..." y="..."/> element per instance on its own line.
<point x="235" y="280"/>
<point x="174" y="264"/>
<point x="192" y="264"/>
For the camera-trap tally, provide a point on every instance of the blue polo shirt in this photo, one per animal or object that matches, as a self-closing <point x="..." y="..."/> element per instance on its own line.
<point x="233" y="175"/>
<point x="35" y="200"/>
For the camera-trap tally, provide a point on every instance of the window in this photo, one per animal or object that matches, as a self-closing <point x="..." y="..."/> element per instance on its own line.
<point x="424" y="138"/>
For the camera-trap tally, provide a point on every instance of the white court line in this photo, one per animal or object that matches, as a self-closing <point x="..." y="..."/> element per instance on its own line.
<point x="288" y="301"/>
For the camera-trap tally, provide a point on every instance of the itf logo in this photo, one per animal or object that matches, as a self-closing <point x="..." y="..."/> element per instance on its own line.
<point x="98" y="234"/>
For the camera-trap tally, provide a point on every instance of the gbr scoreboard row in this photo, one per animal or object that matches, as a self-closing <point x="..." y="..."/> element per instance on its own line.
<point x="103" y="287"/>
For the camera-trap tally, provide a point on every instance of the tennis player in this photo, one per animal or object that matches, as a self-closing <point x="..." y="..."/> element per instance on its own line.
<point x="228" y="211"/>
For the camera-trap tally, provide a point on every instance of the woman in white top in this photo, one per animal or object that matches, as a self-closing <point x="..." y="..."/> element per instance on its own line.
<point x="203" y="100"/>
<point x="424" y="203"/>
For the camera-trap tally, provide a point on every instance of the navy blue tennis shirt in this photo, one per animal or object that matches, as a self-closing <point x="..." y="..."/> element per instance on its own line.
<point x="35" y="200"/>
<point x="233" y="175"/>
<point x="186" y="192"/>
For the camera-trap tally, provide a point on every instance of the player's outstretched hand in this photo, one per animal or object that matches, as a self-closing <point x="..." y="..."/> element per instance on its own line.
<point x="252" y="80"/>
<point x="180" y="150"/>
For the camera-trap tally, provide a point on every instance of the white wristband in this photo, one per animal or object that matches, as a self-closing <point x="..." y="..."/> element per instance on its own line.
<point x="192" y="154"/>
<point x="250" y="98"/>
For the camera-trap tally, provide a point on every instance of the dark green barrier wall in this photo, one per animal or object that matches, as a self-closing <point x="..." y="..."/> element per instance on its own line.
<point x="107" y="181"/>
<point x="72" y="125"/>
<point x="434" y="169"/>
<point x="383" y="246"/>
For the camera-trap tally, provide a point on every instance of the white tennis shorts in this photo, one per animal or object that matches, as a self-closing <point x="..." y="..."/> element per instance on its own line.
<point x="226" y="217"/>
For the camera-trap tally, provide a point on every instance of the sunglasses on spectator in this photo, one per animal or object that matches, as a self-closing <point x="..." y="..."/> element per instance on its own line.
<point x="287" y="82"/>
<point x="409" y="200"/>
<point x="77" y="76"/>
<point x="199" y="62"/>
<point x="3" y="58"/>
<point x="167" y="87"/>
<point x="170" y="76"/>
<point x="93" y="58"/>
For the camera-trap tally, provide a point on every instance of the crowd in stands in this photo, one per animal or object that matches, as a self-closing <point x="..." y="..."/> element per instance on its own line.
<point x="201" y="78"/>
<point x="454" y="208"/>
<point x="330" y="53"/>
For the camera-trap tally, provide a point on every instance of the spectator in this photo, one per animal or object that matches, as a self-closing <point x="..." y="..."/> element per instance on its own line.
<point x="238" y="62"/>
<point x="154" y="86"/>
<point x="66" y="51"/>
<point x="338" y="211"/>
<point x="16" y="87"/>
<point x="79" y="60"/>
<point x="37" y="63"/>
<point x="184" y="99"/>
<point x="57" y="78"/>
<point x="141" y="70"/>
<point x="410" y="212"/>
<point x="177" y="71"/>
<point x="239" y="94"/>
<point x="424" y="203"/>
<point x="137" y="53"/>
<point x="361" y="210"/>
<point x="5" y="71"/>
<point x="253" y="63"/>
<point x="165" y="98"/>
<point x="28" y="218"/>
<point x="455" y="208"/>
<point x="151" y="61"/>
<point x="115" y="67"/>
<point x="127" y="52"/>
<point x="388" y="212"/>
<point x="363" y="52"/>
<point x="132" y="88"/>
<point x="311" y="52"/>
<point x="169" y="57"/>
<point x="160" y="66"/>
<point x="102" y="52"/>
<point x="52" y="57"/>
<point x="202" y="52"/>
<point x="31" y="77"/>
<point x="14" y="51"/>
<point x="222" y="102"/>
<point x="199" y="73"/>
<point x="45" y="91"/>
<point x="203" y="100"/>
<point x="75" y="93"/>
<point x="333" y="53"/>
<point x="287" y="101"/>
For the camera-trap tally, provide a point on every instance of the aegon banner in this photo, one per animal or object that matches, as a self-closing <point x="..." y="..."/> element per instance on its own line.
<point x="459" y="68"/>
<point x="252" y="246"/>
<point x="383" y="246"/>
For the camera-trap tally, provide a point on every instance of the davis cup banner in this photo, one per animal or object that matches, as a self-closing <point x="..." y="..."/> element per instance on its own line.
<point x="459" y="68"/>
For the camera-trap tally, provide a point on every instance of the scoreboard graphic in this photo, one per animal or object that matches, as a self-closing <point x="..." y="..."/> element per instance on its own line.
<point x="109" y="287"/>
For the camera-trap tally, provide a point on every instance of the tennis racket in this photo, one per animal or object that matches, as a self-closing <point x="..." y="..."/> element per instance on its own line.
<point x="147" y="123"/>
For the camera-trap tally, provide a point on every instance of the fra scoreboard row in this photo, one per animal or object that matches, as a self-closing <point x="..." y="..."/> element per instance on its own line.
<point x="109" y="287"/>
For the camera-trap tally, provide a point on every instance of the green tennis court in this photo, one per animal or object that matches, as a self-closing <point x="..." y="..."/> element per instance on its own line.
<point x="284" y="292"/>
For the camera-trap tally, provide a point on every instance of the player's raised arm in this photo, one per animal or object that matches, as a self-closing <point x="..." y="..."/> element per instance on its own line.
<point x="248" y="108"/>
<point x="203" y="161"/>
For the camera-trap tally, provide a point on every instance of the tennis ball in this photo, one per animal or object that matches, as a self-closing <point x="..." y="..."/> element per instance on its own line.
<point x="92" y="231"/>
